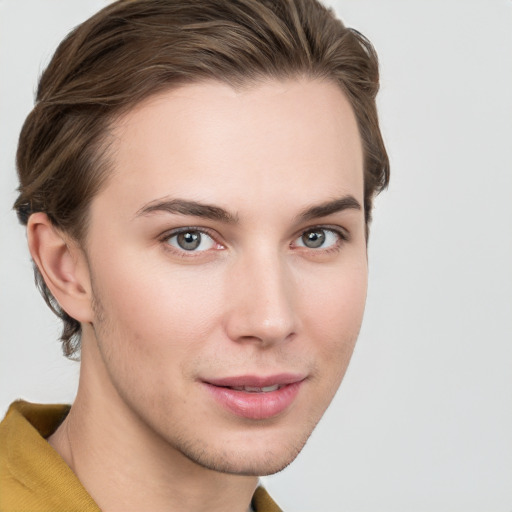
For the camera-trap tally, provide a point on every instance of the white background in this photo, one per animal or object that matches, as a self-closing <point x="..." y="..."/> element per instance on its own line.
<point x="423" y="421"/>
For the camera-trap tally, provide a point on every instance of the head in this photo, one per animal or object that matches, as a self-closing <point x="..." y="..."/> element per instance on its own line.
<point x="132" y="50"/>
<point x="158" y="74"/>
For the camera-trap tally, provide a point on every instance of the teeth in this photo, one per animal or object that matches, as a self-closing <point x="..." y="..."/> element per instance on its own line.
<point x="254" y="389"/>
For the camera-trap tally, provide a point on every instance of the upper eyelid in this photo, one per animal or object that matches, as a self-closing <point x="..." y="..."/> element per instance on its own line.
<point x="342" y="235"/>
<point x="176" y="231"/>
<point x="343" y="232"/>
<point x="171" y="233"/>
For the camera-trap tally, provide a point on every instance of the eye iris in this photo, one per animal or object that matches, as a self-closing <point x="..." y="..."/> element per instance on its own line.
<point x="189" y="240"/>
<point x="314" y="239"/>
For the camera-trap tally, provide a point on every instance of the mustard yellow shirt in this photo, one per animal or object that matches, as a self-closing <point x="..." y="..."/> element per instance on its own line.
<point x="33" y="476"/>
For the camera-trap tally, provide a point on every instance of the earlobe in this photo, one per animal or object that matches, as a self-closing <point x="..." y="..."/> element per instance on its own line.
<point x="62" y="265"/>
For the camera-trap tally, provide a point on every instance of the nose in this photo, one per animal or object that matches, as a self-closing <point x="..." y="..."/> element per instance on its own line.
<point x="261" y="296"/>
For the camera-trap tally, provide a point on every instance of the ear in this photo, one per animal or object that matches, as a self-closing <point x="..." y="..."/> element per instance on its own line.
<point x="62" y="265"/>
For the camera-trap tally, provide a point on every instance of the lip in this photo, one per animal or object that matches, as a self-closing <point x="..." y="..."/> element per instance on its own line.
<point x="255" y="405"/>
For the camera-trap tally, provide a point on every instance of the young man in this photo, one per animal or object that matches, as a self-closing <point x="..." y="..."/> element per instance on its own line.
<point x="196" y="179"/>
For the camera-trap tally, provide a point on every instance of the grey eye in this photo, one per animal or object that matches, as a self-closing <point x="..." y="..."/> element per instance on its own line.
<point x="192" y="240"/>
<point x="314" y="238"/>
<point x="189" y="241"/>
<point x="319" y="238"/>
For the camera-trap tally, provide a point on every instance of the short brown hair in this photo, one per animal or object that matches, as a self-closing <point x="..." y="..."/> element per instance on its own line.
<point x="133" y="49"/>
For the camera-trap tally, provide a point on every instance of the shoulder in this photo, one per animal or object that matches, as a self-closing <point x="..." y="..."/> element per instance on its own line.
<point x="32" y="475"/>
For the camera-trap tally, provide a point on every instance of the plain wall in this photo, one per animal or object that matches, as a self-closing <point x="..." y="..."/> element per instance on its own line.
<point x="423" y="420"/>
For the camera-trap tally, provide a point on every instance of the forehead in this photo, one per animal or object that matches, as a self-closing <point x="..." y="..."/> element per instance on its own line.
<point x="210" y="142"/>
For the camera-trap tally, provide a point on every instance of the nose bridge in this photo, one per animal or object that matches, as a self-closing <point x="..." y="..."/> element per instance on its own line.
<point x="262" y="304"/>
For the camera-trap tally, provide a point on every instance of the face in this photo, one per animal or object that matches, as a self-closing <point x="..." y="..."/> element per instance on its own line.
<point x="227" y="257"/>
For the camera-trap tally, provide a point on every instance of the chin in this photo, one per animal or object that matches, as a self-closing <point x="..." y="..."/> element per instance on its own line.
<point x="261" y="464"/>
<point x="250" y="458"/>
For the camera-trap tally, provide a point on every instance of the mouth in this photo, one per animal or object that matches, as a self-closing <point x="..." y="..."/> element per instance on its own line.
<point x="253" y="397"/>
<point x="256" y="389"/>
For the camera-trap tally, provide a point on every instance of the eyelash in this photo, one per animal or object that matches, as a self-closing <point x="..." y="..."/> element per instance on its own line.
<point x="341" y="234"/>
<point x="188" y="229"/>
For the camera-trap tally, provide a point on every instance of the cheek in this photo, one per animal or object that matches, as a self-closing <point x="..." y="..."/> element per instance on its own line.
<point x="153" y="307"/>
<point x="153" y="329"/>
<point x="335" y="313"/>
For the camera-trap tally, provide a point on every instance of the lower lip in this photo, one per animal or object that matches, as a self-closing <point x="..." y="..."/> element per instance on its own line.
<point x="255" y="406"/>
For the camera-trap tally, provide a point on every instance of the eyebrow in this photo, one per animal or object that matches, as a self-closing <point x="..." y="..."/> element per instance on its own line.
<point x="185" y="207"/>
<point x="347" y="202"/>
<point x="208" y="211"/>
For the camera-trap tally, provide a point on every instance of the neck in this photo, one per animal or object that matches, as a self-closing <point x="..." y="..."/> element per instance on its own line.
<point x="126" y="466"/>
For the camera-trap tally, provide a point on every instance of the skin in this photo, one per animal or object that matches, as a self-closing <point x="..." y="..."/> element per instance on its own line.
<point x="253" y="299"/>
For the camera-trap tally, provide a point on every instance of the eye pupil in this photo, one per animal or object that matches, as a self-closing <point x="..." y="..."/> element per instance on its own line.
<point x="189" y="240"/>
<point x="314" y="239"/>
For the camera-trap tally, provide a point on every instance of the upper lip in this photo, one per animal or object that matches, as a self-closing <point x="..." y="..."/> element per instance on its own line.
<point x="256" y="381"/>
